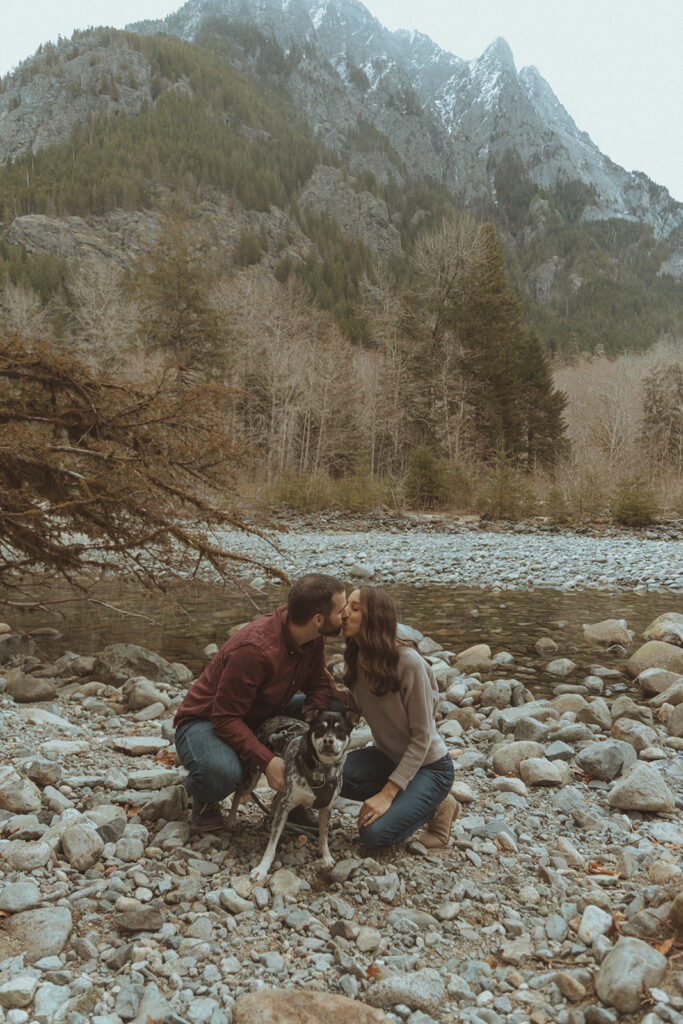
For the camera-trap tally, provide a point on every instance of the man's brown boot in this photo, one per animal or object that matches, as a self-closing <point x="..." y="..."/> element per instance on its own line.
<point x="437" y="832"/>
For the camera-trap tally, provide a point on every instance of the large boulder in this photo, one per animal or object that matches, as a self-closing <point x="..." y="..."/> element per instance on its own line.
<point x="289" y="1006"/>
<point x="656" y="654"/>
<point x="667" y="627"/>
<point x="655" y="680"/>
<point x="27" y="689"/>
<point x="17" y="794"/>
<point x="119" y="662"/>
<point x="672" y="695"/>
<point x="475" y="659"/>
<point x="637" y="734"/>
<point x="608" y="632"/>
<point x="641" y="788"/>
<point x="604" y="761"/>
<point x="508" y="756"/>
<point x="141" y="693"/>
<point x="626" y="971"/>
<point x="675" y="722"/>
<point x="39" y="933"/>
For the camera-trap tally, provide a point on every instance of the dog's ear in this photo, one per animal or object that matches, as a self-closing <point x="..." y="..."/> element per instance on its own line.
<point x="308" y="713"/>
<point x="352" y="717"/>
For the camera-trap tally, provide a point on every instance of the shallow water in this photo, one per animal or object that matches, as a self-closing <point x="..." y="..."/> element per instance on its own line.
<point x="508" y="621"/>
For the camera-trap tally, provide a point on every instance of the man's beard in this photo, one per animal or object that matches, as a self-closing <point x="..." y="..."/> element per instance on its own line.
<point x="327" y="629"/>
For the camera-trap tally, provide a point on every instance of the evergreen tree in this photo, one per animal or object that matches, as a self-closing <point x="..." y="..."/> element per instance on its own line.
<point x="176" y="314"/>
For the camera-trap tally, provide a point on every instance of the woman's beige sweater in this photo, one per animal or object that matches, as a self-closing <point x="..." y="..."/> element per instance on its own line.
<point x="403" y="724"/>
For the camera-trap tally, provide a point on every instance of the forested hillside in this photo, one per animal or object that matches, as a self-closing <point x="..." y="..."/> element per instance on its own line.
<point x="381" y="342"/>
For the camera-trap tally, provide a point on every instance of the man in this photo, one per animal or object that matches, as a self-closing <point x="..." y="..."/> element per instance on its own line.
<point x="255" y="675"/>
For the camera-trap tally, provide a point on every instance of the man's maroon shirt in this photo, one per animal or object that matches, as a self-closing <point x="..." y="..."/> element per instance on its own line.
<point x="254" y="675"/>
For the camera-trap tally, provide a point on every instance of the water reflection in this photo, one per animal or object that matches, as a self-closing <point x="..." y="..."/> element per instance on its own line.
<point x="510" y="621"/>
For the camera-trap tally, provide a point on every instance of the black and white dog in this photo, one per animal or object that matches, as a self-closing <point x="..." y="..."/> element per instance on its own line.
<point x="313" y="754"/>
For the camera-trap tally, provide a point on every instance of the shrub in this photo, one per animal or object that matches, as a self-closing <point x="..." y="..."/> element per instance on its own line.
<point x="359" y="490"/>
<point x="506" y="493"/>
<point x="426" y="480"/>
<point x="305" y="492"/>
<point x="634" y="502"/>
<point x="249" y="248"/>
<point x="586" y="495"/>
<point x="557" y="507"/>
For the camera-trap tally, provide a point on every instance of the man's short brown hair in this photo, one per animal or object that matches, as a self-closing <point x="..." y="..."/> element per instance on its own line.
<point x="312" y="595"/>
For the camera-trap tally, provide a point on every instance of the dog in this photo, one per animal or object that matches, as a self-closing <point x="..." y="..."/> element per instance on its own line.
<point x="313" y="752"/>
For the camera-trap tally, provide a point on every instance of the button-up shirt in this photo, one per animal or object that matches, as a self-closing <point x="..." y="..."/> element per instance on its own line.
<point x="253" y="676"/>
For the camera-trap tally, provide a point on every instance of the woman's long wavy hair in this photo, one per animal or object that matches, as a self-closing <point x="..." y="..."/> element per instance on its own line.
<point x="374" y="647"/>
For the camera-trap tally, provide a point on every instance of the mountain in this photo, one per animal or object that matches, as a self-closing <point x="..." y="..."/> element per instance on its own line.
<point x="309" y="128"/>
<point x="452" y="119"/>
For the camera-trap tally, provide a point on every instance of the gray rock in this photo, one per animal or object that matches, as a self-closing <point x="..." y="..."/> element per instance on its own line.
<point x="623" y="973"/>
<point x="169" y="803"/>
<point x="531" y="729"/>
<point x="655" y="680"/>
<point x="497" y="694"/>
<point x="404" y="632"/>
<point x="18" y="992"/>
<point x="545" y="646"/>
<point x="673" y="695"/>
<point x="27" y="856"/>
<point x="49" y="1000"/>
<point x="596" y="713"/>
<point x="539" y="771"/>
<point x="508" y="756"/>
<point x="667" y="627"/>
<point x="138" y="746"/>
<point x="636" y="734"/>
<point x="110" y="821"/>
<point x="21" y="796"/>
<point x="420" y="918"/>
<point x="141" y="692"/>
<point x="609" y="631"/>
<point x="128" y="999"/>
<point x="641" y="788"/>
<point x="420" y="990"/>
<point x="625" y="707"/>
<point x="561" y="667"/>
<point x="17" y="896"/>
<point x="558" y="751"/>
<point x="44" y="772"/>
<point x="82" y="845"/>
<point x="140" y="919"/>
<point x="594" y="921"/>
<point x="674" y="723"/>
<point x="656" y="654"/>
<point x="40" y="933"/>
<point x="153" y="1006"/>
<point x="119" y="662"/>
<point x="26" y="689"/>
<point x="361" y="571"/>
<point x="602" y="761"/>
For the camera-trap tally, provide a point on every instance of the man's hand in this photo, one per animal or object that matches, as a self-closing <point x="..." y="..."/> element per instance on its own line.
<point x="275" y="774"/>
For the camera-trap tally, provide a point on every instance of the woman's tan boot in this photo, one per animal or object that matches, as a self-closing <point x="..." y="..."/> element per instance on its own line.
<point x="437" y="832"/>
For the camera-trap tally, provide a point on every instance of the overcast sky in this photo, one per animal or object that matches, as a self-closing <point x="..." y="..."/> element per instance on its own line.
<point x="614" y="64"/>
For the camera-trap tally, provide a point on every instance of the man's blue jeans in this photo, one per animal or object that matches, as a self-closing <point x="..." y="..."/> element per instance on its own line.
<point x="215" y="770"/>
<point x="367" y="770"/>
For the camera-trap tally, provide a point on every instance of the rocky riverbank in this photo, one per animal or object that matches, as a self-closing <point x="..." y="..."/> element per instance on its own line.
<point x="558" y="901"/>
<point x="466" y="551"/>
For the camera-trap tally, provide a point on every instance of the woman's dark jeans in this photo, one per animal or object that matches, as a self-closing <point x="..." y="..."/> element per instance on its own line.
<point x="367" y="770"/>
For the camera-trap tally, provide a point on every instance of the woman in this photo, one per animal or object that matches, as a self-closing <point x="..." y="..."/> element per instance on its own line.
<point x="404" y="778"/>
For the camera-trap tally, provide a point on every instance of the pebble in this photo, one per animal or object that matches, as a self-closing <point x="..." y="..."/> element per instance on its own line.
<point x="536" y="872"/>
